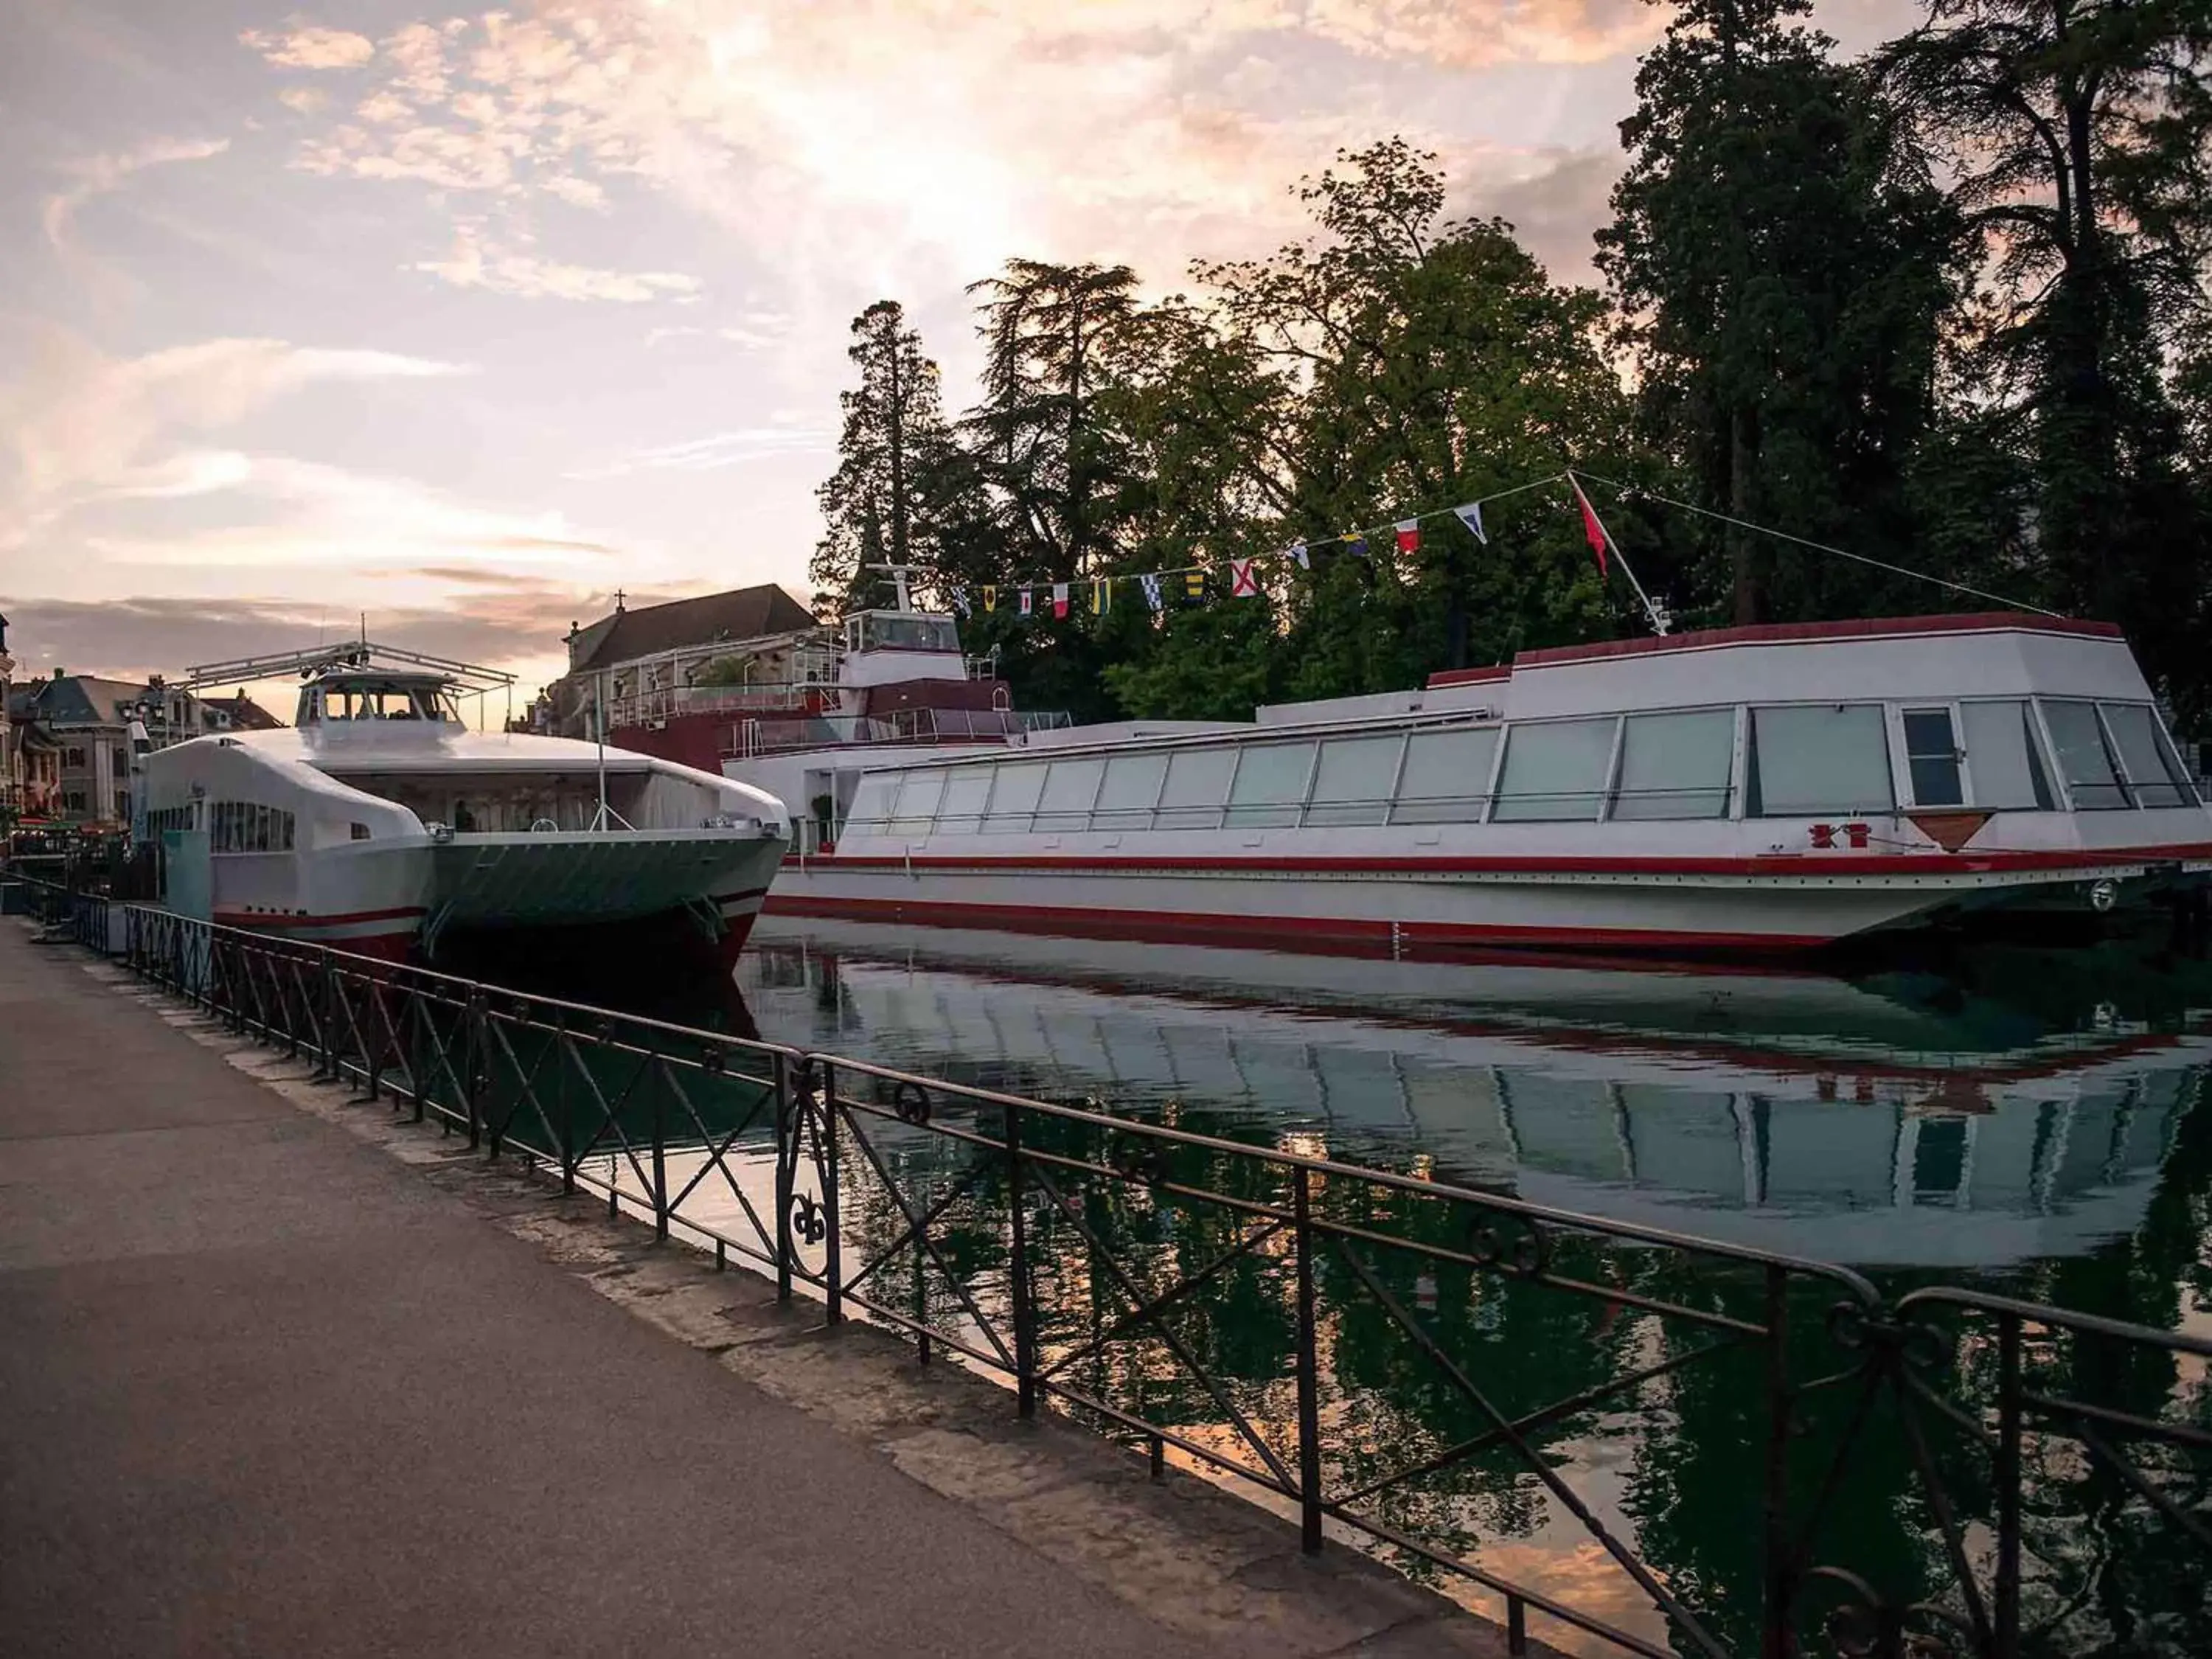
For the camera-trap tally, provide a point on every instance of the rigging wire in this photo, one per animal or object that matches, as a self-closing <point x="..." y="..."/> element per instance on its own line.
<point x="1637" y="491"/>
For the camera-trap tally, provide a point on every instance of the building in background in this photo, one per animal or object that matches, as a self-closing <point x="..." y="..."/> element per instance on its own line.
<point x="73" y="734"/>
<point x="678" y="680"/>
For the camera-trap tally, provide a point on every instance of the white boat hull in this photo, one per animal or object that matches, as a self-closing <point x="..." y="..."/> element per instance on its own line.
<point x="1407" y="911"/>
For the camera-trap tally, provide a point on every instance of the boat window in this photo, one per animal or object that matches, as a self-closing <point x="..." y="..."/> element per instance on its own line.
<point x="1070" y="788"/>
<point x="1447" y="777"/>
<point x="1130" y="792"/>
<point x="870" y="810"/>
<point x="1819" y="758"/>
<point x="1014" y="798"/>
<point x="960" y="811"/>
<point x="917" y="802"/>
<point x="1271" y="782"/>
<point x="1353" y="785"/>
<point x="1676" y="765"/>
<point x="1197" y="784"/>
<point x="2153" y="766"/>
<point x="1554" y="770"/>
<point x="2006" y="759"/>
<point x="2084" y="759"/>
<point x="1931" y="755"/>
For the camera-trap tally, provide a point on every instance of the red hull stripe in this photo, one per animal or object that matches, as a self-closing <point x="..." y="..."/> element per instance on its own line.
<point x="1931" y="863"/>
<point x="266" y="921"/>
<point x="1203" y="929"/>
<point x="1985" y="622"/>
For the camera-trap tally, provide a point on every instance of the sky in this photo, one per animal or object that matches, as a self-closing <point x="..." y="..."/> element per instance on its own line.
<point x="466" y="319"/>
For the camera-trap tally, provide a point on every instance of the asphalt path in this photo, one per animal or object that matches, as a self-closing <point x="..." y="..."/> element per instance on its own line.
<point x="265" y="1391"/>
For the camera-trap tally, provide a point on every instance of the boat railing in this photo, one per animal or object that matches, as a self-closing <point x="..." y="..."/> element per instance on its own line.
<point x="770" y="734"/>
<point x="1943" y="1471"/>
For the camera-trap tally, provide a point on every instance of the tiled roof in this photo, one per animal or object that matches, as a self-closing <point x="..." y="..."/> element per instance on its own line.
<point x="742" y="613"/>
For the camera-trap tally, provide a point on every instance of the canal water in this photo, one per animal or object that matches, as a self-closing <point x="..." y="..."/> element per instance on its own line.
<point x="2026" y="1121"/>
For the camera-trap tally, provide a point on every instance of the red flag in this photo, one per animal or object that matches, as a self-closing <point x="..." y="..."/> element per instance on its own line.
<point x="1060" y="599"/>
<point x="1409" y="534"/>
<point x="1592" y="530"/>
<point x="1242" y="584"/>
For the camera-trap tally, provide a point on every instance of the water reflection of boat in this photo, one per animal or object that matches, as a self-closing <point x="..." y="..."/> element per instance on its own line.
<point x="1792" y="1112"/>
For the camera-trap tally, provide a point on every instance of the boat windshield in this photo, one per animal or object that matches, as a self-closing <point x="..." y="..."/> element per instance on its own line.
<point x="387" y="703"/>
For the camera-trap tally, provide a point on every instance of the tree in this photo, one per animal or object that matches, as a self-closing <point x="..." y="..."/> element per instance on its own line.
<point x="886" y="502"/>
<point x="2079" y="133"/>
<point x="1434" y="361"/>
<point x="1782" y="264"/>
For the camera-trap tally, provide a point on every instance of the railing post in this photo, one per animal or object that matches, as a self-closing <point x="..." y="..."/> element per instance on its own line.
<point x="2007" y="1483"/>
<point x="471" y="1052"/>
<point x="659" y="1163"/>
<point x="416" y="1044"/>
<point x="564" y="1113"/>
<point x="1018" y="1270"/>
<point x="787" y="1159"/>
<point x="1777" y="1640"/>
<point x="1309" y="1371"/>
<point x="833" y="1228"/>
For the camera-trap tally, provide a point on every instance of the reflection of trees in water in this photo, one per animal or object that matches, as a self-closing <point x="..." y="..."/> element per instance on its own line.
<point x="1685" y="1450"/>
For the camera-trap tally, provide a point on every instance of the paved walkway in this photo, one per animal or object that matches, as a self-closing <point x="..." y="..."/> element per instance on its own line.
<point x="263" y="1390"/>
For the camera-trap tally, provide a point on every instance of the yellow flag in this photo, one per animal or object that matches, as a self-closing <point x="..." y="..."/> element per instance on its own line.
<point x="1101" y="595"/>
<point x="1194" y="583"/>
<point x="990" y="599"/>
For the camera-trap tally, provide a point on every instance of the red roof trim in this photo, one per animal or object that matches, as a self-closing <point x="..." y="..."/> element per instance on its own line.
<point x="1444" y="676"/>
<point x="1985" y="622"/>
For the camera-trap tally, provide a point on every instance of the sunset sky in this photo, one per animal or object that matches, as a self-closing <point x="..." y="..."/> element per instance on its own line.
<point x="465" y="319"/>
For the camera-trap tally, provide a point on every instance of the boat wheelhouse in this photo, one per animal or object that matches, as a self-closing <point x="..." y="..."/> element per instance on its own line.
<point x="1773" y="788"/>
<point x="381" y="820"/>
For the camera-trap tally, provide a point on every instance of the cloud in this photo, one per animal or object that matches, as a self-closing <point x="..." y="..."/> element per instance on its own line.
<point x="312" y="516"/>
<point x="304" y="101"/>
<point x="99" y="175"/>
<point x="474" y="264"/>
<point x="1554" y="200"/>
<point x="81" y="427"/>
<point x="311" y="46"/>
<point x="736" y="447"/>
<point x="971" y="129"/>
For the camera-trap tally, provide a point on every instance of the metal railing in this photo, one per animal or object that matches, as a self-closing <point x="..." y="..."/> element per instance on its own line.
<point x="1421" y="1365"/>
<point x="63" y="913"/>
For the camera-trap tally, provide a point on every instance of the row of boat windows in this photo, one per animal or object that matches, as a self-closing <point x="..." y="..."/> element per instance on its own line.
<point x="1800" y="760"/>
<point x="233" y="826"/>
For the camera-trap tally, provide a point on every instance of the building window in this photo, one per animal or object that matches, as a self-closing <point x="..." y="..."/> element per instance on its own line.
<point x="73" y="758"/>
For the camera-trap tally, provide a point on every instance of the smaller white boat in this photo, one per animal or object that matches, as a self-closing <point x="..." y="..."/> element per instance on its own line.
<point x="379" y="821"/>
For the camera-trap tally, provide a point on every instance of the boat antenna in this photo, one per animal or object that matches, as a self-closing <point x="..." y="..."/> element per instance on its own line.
<point x="1650" y="611"/>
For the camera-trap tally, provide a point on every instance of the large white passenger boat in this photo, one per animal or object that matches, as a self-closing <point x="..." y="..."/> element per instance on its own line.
<point x="380" y="820"/>
<point x="1768" y="788"/>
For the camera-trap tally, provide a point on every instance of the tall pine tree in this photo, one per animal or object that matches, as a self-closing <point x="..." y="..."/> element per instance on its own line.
<point x="1782" y="264"/>
<point x="886" y="502"/>
<point x="2079" y="135"/>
